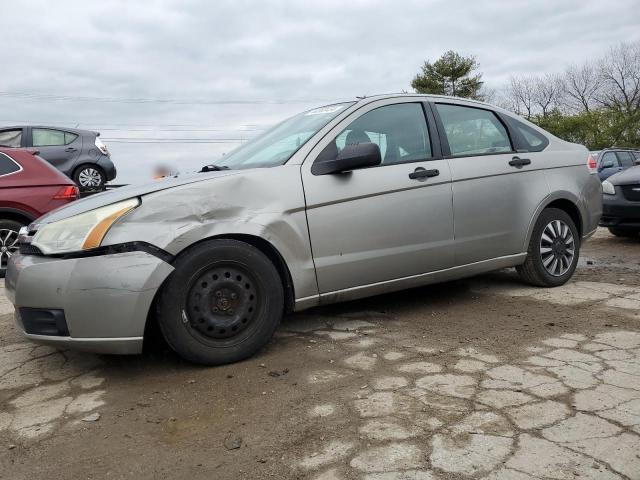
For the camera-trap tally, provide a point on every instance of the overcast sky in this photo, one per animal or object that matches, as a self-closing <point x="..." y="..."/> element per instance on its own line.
<point x="162" y="70"/>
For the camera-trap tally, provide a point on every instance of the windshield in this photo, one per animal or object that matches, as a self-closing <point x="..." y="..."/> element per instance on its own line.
<point x="278" y="144"/>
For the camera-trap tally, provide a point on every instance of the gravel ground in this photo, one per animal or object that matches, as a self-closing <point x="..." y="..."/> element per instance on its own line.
<point x="484" y="378"/>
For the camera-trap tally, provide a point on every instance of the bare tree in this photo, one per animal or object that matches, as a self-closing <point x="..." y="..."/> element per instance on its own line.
<point x="546" y="93"/>
<point x="620" y="76"/>
<point x="581" y="85"/>
<point x="520" y="95"/>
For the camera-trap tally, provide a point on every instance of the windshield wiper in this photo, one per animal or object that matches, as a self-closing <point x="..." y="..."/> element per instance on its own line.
<point x="213" y="168"/>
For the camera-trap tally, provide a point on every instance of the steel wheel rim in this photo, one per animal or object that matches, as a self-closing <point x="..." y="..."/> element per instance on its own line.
<point x="221" y="303"/>
<point x="89" y="177"/>
<point x="557" y="248"/>
<point x="8" y="245"/>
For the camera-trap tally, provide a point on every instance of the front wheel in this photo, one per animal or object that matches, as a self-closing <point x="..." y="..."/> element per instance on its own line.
<point x="8" y="242"/>
<point x="89" y="177"/>
<point x="222" y="303"/>
<point x="552" y="255"/>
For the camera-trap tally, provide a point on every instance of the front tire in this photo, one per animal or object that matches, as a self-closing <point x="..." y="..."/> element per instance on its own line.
<point x="554" y="248"/>
<point x="89" y="177"/>
<point x="624" y="233"/>
<point x="8" y="242"/>
<point x="222" y="303"/>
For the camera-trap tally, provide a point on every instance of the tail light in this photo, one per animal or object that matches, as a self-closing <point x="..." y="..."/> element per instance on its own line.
<point x="592" y="165"/>
<point x="101" y="146"/>
<point x="67" y="193"/>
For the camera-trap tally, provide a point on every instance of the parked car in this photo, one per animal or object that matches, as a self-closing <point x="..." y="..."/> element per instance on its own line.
<point x="614" y="160"/>
<point x="621" y="203"/>
<point x="29" y="188"/>
<point x="336" y="203"/>
<point x="79" y="154"/>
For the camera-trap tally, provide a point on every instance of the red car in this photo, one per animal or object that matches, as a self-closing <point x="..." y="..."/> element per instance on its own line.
<point x="29" y="188"/>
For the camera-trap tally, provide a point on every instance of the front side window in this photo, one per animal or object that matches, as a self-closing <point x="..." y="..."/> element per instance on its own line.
<point x="609" y="160"/>
<point x="399" y="130"/>
<point x="277" y="145"/>
<point x="626" y="159"/>
<point x="43" y="137"/>
<point x="7" y="165"/>
<point x="11" y="138"/>
<point x="473" y="131"/>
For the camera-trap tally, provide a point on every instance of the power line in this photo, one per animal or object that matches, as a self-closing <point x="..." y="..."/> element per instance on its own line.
<point x="169" y="101"/>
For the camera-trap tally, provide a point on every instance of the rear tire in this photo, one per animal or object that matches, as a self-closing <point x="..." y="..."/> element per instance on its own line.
<point x="8" y="242"/>
<point x="222" y="303"/>
<point x="621" y="232"/>
<point x="89" y="177"/>
<point x="554" y="248"/>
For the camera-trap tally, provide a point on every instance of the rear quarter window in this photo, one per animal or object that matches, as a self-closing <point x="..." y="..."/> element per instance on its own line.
<point x="8" y="165"/>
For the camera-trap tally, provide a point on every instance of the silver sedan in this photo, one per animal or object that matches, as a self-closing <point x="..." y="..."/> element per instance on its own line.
<point x="339" y="202"/>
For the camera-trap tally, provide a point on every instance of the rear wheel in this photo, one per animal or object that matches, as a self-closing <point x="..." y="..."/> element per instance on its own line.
<point x="8" y="242"/>
<point x="222" y="303"/>
<point x="621" y="232"/>
<point x="89" y="177"/>
<point x="552" y="255"/>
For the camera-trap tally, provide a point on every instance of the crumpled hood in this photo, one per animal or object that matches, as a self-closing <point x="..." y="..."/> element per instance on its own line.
<point x="124" y="193"/>
<point x="629" y="176"/>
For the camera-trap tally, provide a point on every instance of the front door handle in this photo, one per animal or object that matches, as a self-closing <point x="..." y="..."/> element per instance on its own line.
<point x="70" y="149"/>
<point x="519" y="162"/>
<point x="420" y="172"/>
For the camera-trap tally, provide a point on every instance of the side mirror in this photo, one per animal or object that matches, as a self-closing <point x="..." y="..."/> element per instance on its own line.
<point x="607" y="164"/>
<point x="352" y="157"/>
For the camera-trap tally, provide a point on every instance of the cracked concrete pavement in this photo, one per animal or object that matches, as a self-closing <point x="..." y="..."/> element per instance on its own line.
<point x="479" y="379"/>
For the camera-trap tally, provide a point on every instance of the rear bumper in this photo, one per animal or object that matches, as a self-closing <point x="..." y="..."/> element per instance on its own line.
<point x="107" y="165"/>
<point x="104" y="300"/>
<point x="620" y="212"/>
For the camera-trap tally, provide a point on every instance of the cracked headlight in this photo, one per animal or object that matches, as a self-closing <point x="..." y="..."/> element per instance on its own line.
<point x="81" y="232"/>
<point x="608" y="188"/>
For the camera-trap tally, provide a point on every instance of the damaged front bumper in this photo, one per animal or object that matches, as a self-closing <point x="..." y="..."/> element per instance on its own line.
<point x="96" y="303"/>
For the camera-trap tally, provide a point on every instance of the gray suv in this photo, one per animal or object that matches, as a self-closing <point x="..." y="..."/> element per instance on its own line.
<point x="336" y="203"/>
<point x="79" y="154"/>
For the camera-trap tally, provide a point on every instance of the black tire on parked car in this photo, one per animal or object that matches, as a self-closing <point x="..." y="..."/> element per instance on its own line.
<point x="8" y="242"/>
<point x="89" y="177"/>
<point x="621" y="232"/>
<point x="553" y="250"/>
<point x="222" y="303"/>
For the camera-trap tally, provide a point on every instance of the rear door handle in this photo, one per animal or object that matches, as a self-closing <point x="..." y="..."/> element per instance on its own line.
<point x="519" y="162"/>
<point x="420" y="172"/>
<point x="70" y="149"/>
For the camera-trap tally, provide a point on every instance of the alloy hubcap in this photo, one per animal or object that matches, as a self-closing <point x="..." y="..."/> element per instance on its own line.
<point x="557" y="248"/>
<point x="222" y="302"/>
<point x="8" y="245"/>
<point x="89" y="177"/>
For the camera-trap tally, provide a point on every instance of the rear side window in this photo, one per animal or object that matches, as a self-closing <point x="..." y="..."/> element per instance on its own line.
<point x="473" y="131"/>
<point x="8" y="165"/>
<point x="626" y="159"/>
<point x="43" y="137"/>
<point x="11" y="138"/>
<point x="69" y="137"/>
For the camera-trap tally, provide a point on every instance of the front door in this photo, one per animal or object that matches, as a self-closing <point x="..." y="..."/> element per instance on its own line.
<point x="381" y="223"/>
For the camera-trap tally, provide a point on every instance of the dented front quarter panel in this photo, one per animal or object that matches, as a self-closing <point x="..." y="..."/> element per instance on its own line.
<point x="267" y="203"/>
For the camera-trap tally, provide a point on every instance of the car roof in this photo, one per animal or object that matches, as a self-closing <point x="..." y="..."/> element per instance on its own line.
<point x="382" y="96"/>
<point x="77" y="131"/>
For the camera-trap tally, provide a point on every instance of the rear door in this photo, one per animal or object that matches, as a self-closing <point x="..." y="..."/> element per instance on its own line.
<point x="387" y="222"/>
<point x="59" y="148"/>
<point x="626" y="159"/>
<point x="496" y="189"/>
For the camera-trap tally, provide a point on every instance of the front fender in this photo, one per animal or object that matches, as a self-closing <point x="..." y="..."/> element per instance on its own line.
<point x="266" y="203"/>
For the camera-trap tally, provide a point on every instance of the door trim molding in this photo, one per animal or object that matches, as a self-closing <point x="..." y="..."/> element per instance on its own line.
<point x="437" y="276"/>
